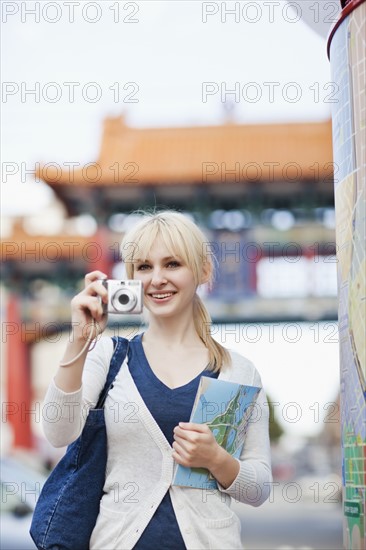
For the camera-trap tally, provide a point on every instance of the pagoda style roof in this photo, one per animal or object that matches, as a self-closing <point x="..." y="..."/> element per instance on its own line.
<point x="199" y="155"/>
<point x="22" y="247"/>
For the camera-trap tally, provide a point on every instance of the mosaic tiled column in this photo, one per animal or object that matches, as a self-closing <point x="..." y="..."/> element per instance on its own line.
<point x="346" y="48"/>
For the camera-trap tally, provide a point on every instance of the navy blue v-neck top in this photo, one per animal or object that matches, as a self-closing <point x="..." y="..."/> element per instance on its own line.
<point x="168" y="407"/>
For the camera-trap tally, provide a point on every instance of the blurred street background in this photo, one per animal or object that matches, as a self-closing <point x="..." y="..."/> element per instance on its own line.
<point x="223" y="111"/>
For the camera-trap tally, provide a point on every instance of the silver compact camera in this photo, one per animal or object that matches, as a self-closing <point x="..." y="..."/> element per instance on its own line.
<point x="123" y="296"/>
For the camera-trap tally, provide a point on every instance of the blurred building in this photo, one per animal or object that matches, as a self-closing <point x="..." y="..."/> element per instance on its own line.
<point x="262" y="193"/>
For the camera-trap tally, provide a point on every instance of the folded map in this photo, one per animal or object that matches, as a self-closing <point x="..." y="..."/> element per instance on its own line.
<point x="226" y="408"/>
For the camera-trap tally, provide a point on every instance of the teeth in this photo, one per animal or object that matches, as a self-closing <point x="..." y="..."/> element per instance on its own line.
<point x="162" y="295"/>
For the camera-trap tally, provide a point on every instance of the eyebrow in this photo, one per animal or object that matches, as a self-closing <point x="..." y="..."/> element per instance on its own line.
<point x="166" y="259"/>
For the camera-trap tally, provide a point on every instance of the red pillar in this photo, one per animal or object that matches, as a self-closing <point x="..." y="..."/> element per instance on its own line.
<point x="101" y="257"/>
<point x="18" y="378"/>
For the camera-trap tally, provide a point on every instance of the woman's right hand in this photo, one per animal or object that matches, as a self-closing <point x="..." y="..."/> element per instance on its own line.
<point x="88" y="306"/>
<point x="88" y="322"/>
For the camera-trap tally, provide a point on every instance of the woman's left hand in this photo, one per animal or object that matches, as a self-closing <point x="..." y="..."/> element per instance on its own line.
<point x="195" y="446"/>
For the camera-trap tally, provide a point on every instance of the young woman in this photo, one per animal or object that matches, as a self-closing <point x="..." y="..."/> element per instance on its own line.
<point x="148" y="409"/>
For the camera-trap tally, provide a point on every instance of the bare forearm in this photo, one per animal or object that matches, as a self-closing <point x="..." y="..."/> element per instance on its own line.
<point x="224" y="468"/>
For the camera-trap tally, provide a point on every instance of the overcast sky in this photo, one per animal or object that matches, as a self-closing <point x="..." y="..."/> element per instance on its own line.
<point x="161" y="63"/>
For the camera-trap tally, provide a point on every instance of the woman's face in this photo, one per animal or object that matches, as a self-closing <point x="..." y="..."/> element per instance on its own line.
<point x="169" y="285"/>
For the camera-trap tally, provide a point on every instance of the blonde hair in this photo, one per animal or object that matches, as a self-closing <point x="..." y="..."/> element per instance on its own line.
<point x="182" y="238"/>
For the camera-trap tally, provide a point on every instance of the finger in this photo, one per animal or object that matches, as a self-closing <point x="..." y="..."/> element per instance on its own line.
<point x="90" y="305"/>
<point x="178" y="459"/>
<point x="93" y="276"/>
<point x="203" y="428"/>
<point x="188" y="447"/>
<point x="187" y="435"/>
<point x="96" y="289"/>
<point x="180" y="450"/>
<point x="184" y="443"/>
<point x="95" y="308"/>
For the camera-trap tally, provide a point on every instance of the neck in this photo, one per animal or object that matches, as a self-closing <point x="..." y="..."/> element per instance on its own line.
<point x="173" y="332"/>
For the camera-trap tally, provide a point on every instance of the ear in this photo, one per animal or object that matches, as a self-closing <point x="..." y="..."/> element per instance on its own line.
<point x="206" y="273"/>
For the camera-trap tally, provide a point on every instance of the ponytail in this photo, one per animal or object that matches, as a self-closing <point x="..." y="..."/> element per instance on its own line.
<point x="219" y="357"/>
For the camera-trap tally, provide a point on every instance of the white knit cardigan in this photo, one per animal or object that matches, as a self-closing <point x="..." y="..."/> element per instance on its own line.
<point x="140" y="464"/>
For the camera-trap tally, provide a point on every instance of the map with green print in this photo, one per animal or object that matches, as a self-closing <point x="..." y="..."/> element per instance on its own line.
<point x="226" y="408"/>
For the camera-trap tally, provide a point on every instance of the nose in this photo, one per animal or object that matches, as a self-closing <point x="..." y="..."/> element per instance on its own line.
<point x="158" y="278"/>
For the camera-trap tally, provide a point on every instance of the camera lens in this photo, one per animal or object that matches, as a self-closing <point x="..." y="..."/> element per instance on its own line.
<point x="124" y="300"/>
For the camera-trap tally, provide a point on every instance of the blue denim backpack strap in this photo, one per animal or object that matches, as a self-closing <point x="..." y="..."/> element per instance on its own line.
<point x="119" y="355"/>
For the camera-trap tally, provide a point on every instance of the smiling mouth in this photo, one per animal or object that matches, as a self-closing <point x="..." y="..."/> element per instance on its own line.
<point x="162" y="295"/>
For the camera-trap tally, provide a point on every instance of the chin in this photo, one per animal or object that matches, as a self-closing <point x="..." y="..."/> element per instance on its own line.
<point x="162" y="313"/>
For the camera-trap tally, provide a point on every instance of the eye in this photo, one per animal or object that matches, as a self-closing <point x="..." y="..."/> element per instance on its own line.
<point x="173" y="263"/>
<point x="142" y="267"/>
